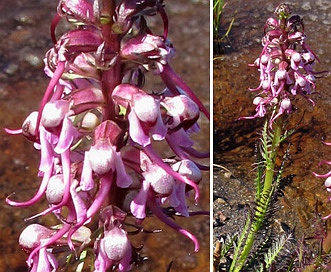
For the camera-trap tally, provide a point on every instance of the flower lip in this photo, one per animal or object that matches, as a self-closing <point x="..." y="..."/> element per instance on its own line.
<point x="31" y="236"/>
<point x="101" y="157"/>
<point x="124" y="94"/>
<point x="54" y="113"/>
<point x="116" y="244"/>
<point x="264" y="59"/>
<point x="189" y="169"/>
<point x="146" y="108"/>
<point x="55" y="189"/>
<point x="286" y="104"/>
<point x="161" y="182"/>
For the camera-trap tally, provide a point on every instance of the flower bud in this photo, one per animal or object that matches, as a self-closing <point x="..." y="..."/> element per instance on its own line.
<point x="90" y="121"/>
<point x="107" y="130"/>
<point x="147" y="49"/>
<point x="78" y="9"/>
<point x="296" y="36"/>
<point x="282" y="11"/>
<point x="86" y="99"/>
<point x="29" y="126"/>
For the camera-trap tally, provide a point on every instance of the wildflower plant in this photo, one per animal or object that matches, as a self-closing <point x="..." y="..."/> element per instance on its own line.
<point x="286" y="66"/>
<point x="97" y="131"/>
<point x="286" y="70"/>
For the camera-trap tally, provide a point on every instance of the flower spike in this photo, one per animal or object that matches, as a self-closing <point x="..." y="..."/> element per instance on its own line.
<point x="99" y="131"/>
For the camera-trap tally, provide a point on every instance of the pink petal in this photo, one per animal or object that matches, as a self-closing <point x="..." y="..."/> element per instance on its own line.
<point x="68" y="134"/>
<point x="123" y="180"/>
<point x="136" y="131"/>
<point x="138" y="205"/>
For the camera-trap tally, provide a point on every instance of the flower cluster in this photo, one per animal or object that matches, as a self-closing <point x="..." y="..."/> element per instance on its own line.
<point x="285" y="65"/>
<point x="97" y="128"/>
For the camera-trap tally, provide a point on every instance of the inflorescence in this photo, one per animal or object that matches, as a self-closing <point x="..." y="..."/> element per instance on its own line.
<point x="97" y="128"/>
<point x="285" y="65"/>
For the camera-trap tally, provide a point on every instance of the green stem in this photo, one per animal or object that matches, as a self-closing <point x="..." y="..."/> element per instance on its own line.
<point x="270" y="164"/>
<point x="267" y="191"/>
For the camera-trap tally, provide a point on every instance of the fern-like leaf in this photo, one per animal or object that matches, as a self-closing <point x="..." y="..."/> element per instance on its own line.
<point x="242" y="238"/>
<point x="278" y="250"/>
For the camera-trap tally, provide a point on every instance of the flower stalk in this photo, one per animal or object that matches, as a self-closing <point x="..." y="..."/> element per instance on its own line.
<point x="269" y="186"/>
<point x="272" y="156"/>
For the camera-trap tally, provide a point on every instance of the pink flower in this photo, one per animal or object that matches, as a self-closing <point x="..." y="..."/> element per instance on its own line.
<point x="103" y="158"/>
<point x="285" y="65"/>
<point x="151" y="51"/>
<point x="177" y="199"/>
<point x="144" y="114"/>
<point x="182" y="111"/>
<point x="113" y="248"/>
<point x="156" y="183"/>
